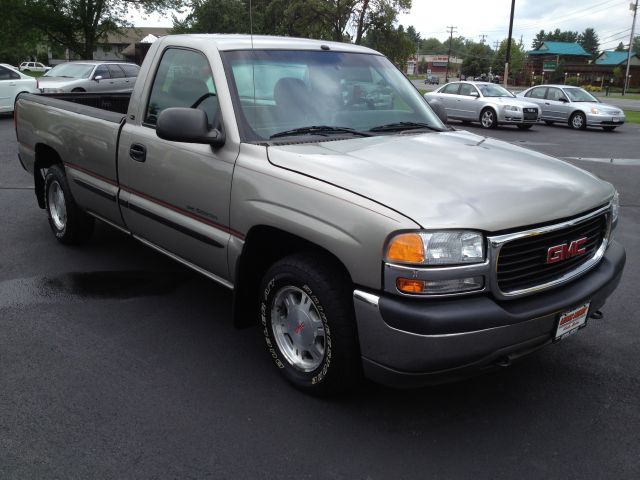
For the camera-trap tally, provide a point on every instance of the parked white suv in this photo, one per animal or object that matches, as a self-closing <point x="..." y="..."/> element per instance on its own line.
<point x="33" y="67"/>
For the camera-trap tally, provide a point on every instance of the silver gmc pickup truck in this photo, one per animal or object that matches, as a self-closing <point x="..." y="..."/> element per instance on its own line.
<point x="358" y="232"/>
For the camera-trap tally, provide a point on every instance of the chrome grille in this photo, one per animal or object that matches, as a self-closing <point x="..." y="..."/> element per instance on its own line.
<point x="522" y="263"/>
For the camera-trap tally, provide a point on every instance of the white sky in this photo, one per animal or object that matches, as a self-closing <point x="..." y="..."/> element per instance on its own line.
<point x="611" y="19"/>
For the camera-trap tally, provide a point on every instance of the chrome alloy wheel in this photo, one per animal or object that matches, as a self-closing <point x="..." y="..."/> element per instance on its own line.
<point x="57" y="205"/>
<point x="488" y="118"/>
<point x="298" y="328"/>
<point x="577" y="121"/>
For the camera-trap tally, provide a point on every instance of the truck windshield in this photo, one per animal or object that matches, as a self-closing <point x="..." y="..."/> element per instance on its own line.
<point x="280" y="93"/>
<point x="70" y="70"/>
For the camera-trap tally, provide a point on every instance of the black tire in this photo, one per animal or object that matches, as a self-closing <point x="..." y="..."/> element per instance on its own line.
<point x="524" y="127"/>
<point x="578" y="121"/>
<point x="78" y="90"/>
<point x="549" y="122"/>
<point x="488" y="118"/>
<point x="75" y="226"/>
<point x="326" y="304"/>
<point x="465" y="122"/>
<point x="609" y="129"/>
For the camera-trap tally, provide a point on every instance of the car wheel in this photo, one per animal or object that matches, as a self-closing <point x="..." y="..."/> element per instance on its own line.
<point x="307" y="320"/>
<point x="608" y="129"/>
<point x="69" y="223"/>
<point x="578" y="121"/>
<point x="78" y="90"/>
<point x="488" y="118"/>
<point x="524" y="127"/>
<point x="549" y="122"/>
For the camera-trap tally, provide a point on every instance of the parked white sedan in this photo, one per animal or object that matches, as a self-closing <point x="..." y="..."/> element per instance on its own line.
<point x="573" y="106"/>
<point x="13" y="83"/>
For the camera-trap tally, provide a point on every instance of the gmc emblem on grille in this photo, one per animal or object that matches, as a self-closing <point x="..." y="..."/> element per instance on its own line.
<point x="558" y="253"/>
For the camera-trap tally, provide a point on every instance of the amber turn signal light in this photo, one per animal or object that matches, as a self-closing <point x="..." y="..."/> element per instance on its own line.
<point x="406" y="285"/>
<point x="406" y="248"/>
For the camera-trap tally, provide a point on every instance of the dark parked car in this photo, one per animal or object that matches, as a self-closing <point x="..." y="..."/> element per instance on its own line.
<point x="432" y="80"/>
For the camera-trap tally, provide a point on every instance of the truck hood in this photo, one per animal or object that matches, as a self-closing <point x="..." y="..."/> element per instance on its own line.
<point x="450" y="179"/>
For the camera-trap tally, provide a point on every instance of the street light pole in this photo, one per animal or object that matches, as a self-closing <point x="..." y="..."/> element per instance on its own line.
<point x="451" y="29"/>
<point x="633" y="31"/>
<point x="506" y="65"/>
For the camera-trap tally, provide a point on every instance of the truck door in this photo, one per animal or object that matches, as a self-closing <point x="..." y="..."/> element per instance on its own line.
<point x="175" y="196"/>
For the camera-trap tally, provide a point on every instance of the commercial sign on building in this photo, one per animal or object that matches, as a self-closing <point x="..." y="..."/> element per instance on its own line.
<point x="440" y="61"/>
<point x="549" y="66"/>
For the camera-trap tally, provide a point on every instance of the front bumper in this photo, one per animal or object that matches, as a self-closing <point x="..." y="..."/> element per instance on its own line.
<point x="600" y="120"/>
<point x="406" y="342"/>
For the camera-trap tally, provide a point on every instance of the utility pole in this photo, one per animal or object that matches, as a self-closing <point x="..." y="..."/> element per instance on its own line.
<point x="451" y="30"/>
<point x="633" y="31"/>
<point x="496" y="45"/>
<point x="482" y="37"/>
<point x="506" y="64"/>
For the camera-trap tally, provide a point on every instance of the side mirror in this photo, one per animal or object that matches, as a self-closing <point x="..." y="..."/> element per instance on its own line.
<point x="97" y="78"/>
<point x="563" y="100"/>
<point x="187" y="125"/>
<point x="439" y="110"/>
<point x="474" y="94"/>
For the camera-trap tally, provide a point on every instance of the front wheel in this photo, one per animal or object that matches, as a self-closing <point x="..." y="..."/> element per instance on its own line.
<point x="70" y="225"/>
<point x="524" y="127"/>
<point x="578" y="121"/>
<point x="549" y="122"/>
<point x="308" y="324"/>
<point x="488" y="118"/>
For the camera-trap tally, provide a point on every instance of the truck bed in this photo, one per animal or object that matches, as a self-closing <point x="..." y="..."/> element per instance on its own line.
<point x="111" y="107"/>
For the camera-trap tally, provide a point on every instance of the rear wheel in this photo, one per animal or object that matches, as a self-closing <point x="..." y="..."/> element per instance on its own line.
<point x="549" y="122"/>
<point x="308" y="324"/>
<point x="578" y="121"/>
<point x="524" y="127"/>
<point x="608" y="129"/>
<point x="488" y="118"/>
<point x="78" y="90"/>
<point x="69" y="223"/>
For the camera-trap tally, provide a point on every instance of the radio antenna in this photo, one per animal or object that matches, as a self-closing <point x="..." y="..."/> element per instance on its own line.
<point x="251" y="22"/>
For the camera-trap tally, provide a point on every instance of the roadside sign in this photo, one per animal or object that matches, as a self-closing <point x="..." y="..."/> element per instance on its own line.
<point x="549" y="66"/>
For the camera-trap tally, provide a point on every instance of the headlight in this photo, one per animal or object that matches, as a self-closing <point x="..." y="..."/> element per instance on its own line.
<point x="595" y="110"/>
<point x="512" y="108"/>
<point x="615" y="207"/>
<point x="452" y="247"/>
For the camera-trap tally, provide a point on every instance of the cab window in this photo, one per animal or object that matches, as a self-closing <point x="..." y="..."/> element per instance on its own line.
<point x="183" y="79"/>
<point x="115" y="71"/>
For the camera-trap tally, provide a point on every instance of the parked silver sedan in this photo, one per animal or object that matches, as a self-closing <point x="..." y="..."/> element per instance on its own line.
<point x="484" y="102"/>
<point x="573" y="105"/>
<point x="90" y="76"/>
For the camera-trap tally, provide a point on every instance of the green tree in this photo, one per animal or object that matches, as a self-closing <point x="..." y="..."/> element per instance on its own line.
<point x="375" y="14"/>
<point x="620" y="47"/>
<point x="219" y="16"/>
<point x="19" y="40"/>
<point x="556" y="36"/>
<point x="79" y="24"/>
<point x="392" y="42"/>
<point x="636" y="45"/>
<point x="432" y="46"/>
<point x="477" y="60"/>
<point x="589" y="41"/>
<point x="517" y="60"/>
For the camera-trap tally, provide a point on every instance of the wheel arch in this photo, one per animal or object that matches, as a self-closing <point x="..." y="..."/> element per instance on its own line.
<point x="45" y="157"/>
<point x="263" y="246"/>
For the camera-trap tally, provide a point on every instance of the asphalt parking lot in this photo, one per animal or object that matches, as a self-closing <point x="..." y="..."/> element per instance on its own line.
<point x="116" y="362"/>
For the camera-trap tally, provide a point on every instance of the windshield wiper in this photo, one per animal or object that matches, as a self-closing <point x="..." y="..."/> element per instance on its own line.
<point x="402" y="126"/>
<point x="319" y="130"/>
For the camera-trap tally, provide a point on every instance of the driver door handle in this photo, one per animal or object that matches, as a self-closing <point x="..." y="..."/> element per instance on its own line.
<point x="138" y="152"/>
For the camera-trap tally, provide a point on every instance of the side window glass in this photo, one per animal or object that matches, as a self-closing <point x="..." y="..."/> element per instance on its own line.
<point x="466" y="89"/>
<point x="5" y="74"/>
<point x="537" y="93"/>
<point x="130" y="70"/>
<point x="183" y="79"/>
<point x="115" y="71"/>
<point x="102" y="71"/>
<point x="451" y="88"/>
<point x="555" y="94"/>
